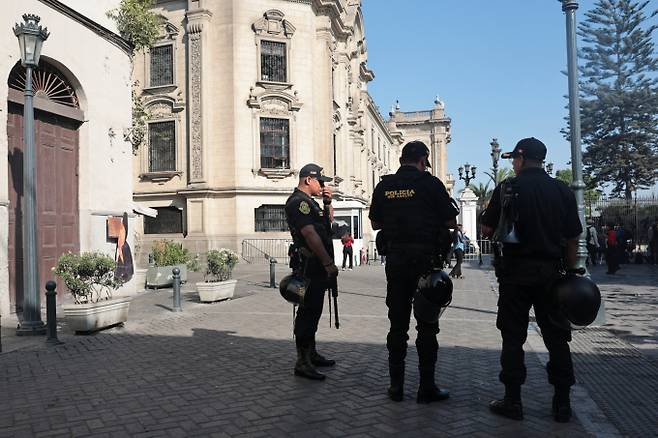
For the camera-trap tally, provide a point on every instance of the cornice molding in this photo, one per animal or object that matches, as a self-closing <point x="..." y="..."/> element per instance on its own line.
<point x="99" y="30"/>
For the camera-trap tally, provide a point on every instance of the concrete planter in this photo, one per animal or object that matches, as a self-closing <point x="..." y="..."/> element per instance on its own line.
<point x="220" y="290"/>
<point x="161" y="276"/>
<point x="90" y="317"/>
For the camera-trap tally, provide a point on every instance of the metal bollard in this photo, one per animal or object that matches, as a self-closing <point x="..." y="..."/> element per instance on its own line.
<point x="51" y="313"/>
<point x="177" y="307"/>
<point x="272" y="272"/>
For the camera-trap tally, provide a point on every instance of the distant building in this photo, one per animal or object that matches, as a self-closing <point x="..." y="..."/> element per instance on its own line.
<point x="242" y="94"/>
<point x="82" y="101"/>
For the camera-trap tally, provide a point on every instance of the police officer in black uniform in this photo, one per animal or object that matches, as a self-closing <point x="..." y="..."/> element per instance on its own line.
<point x="310" y="227"/>
<point x="410" y="208"/>
<point x="535" y="219"/>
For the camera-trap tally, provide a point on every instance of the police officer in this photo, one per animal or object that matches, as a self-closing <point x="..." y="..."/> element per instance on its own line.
<point x="310" y="227"/>
<point x="535" y="219"/>
<point x="410" y="208"/>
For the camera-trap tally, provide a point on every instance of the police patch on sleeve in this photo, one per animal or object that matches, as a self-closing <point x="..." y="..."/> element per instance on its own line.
<point x="304" y="207"/>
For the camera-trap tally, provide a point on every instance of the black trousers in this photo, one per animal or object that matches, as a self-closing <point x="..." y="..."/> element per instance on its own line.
<point x="308" y="315"/>
<point x="517" y="295"/>
<point x="457" y="270"/>
<point x="612" y="259"/>
<point x="347" y="255"/>
<point x="402" y="273"/>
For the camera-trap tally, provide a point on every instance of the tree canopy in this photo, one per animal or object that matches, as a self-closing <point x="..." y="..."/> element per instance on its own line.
<point x="619" y="95"/>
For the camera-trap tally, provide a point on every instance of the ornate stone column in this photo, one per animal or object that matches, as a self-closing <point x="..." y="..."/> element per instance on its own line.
<point x="468" y="214"/>
<point x="197" y="21"/>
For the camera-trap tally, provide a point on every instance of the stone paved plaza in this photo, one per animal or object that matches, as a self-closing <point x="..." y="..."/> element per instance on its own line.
<point x="225" y="369"/>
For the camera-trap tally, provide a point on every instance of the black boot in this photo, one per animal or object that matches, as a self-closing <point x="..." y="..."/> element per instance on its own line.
<point x="319" y="360"/>
<point x="304" y="367"/>
<point x="428" y="392"/>
<point x="561" y="405"/>
<point x="396" y="390"/>
<point x="507" y="407"/>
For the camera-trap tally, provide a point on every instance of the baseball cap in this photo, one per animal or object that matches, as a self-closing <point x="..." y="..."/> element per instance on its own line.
<point x="314" y="171"/>
<point x="414" y="150"/>
<point x="528" y="148"/>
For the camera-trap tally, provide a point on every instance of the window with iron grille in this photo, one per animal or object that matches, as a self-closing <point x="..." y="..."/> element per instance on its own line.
<point x="162" y="146"/>
<point x="162" y="65"/>
<point x="168" y="221"/>
<point x="274" y="143"/>
<point x="271" y="218"/>
<point x="273" y="61"/>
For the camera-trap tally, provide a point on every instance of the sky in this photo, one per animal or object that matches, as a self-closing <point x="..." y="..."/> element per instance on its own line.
<point x="497" y="65"/>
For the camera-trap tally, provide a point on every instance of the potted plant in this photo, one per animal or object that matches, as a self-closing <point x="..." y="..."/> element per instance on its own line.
<point x="90" y="277"/>
<point x="218" y="284"/>
<point x="168" y="255"/>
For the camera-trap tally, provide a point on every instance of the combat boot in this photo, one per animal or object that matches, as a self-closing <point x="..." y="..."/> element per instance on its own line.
<point x="304" y="367"/>
<point x="428" y="392"/>
<point x="396" y="390"/>
<point x="561" y="406"/>
<point x="319" y="360"/>
<point x="507" y="407"/>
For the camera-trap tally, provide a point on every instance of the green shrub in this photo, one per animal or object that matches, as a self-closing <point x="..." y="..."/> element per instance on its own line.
<point x="170" y="253"/>
<point x="89" y="276"/>
<point x="220" y="264"/>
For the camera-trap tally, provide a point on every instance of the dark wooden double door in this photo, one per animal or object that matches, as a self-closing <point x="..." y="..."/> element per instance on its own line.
<point x="56" y="139"/>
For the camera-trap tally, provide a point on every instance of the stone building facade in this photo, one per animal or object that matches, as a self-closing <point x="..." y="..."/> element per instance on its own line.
<point x="82" y="107"/>
<point x="240" y="95"/>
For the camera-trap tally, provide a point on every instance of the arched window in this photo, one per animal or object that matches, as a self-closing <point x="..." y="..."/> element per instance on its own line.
<point x="47" y="82"/>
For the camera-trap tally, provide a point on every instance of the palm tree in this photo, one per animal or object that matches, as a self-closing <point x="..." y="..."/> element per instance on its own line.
<point x="503" y="173"/>
<point x="482" y="191"/>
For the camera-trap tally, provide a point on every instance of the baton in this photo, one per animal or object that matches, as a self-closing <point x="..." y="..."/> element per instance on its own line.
<point x="333" y="287"/>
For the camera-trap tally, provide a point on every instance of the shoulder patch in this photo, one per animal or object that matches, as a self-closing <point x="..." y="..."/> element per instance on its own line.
<point x="304" y="208"/>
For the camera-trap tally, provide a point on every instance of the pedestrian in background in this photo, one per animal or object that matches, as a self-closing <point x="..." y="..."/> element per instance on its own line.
<point x="535" y="218"/>
<point x="592" y="242"/>
<point x="653" y="242"/>
<point x="347" y="240"/>
<point x="612" y="251"/>
<point x="411" y="208"/>
<point x="459" y="239"/>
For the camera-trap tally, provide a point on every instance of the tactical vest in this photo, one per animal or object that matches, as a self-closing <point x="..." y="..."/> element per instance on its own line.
<point x="409" y="217"/>
<point x="320" y="223"/>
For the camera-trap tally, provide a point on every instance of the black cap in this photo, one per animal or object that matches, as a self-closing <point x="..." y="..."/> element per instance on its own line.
<point x="314" y="171"/>
<point x="414" y="150"/>
<point x="528" y="148"/>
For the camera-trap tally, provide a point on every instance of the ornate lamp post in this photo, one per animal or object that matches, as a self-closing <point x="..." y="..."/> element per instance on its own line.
<point x="30" y="39"/>
<point x="569" y="7"/>
<point x="467" y="173"/>
<point x="495" y="156"/>
<point x="549" y="168"/>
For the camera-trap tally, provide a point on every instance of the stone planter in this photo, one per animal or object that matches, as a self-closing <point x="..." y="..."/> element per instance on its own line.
<point x="90" y="317"/>
<point x="161" y="276"/>
<point x="220" y="290"/>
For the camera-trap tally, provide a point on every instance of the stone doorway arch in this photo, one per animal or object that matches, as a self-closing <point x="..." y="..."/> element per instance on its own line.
<point x="57" y="119"/>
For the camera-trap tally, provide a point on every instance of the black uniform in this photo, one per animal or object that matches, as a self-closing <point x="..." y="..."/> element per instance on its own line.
<point x="544" y="213"/>
<point x="412" y="207"/>
<point x="302" y="210"/>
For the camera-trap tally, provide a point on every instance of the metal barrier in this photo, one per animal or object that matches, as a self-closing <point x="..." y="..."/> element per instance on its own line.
<point x="484" y="249"/>
<point x="262" y="250"/>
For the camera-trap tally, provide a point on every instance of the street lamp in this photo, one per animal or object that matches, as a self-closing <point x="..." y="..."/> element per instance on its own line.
<point x="466" y="173"/>
<point x="569" y="7"/>
<point x="549" y="168"/>
<point x="30" y="39"/>
<point x="495" y="156"/>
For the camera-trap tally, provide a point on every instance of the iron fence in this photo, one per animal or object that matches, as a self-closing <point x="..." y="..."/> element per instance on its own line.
<point x="262" y="250"/>
<point x="635" y="215"/>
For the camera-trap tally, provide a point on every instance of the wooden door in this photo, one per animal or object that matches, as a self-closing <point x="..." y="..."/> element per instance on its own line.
<point x="57" y="194"/>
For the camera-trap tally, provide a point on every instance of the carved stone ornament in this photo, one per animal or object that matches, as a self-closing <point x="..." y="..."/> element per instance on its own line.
<point x="274" y="102"/>
<point x="196" y="152"/>
<point x="273" y="23"/>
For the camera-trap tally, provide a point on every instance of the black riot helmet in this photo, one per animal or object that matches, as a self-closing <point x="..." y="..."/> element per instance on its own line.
<point x="293" y="289"/>
<point x="576" y="301"/>
<point x="433" y="296"/>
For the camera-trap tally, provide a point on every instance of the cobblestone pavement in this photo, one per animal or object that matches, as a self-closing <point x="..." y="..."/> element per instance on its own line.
<point x="225" y="369"/>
